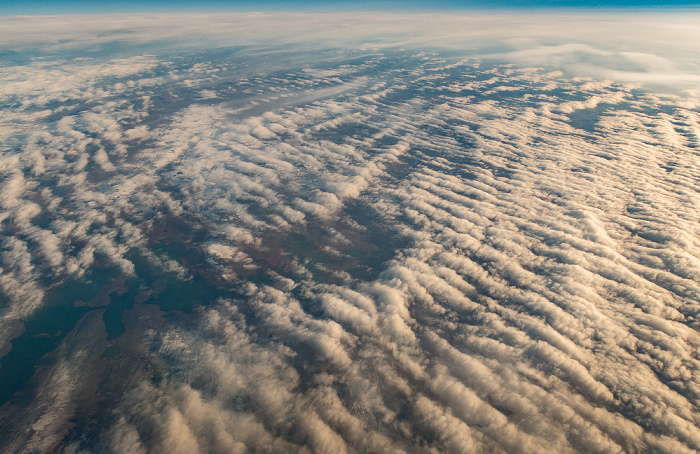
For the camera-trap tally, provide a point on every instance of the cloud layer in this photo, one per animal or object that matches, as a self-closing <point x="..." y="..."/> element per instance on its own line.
<point x="403" y="246"/>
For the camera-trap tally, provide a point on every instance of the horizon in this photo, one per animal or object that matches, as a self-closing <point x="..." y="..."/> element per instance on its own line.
<point x="44" y="7"/>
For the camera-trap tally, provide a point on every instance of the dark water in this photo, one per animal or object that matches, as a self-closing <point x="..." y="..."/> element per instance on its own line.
<point x="45" y="330"/>
<point x="59" y="313"/>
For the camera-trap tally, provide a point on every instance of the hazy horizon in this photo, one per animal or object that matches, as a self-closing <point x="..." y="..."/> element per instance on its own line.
<point x="40" y="7"/>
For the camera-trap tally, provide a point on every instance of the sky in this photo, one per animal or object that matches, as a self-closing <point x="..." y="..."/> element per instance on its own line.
<point x="33" y="7"/>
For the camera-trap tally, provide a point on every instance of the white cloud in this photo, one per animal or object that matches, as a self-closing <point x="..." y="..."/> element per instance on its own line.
<point x="535" y="280"/>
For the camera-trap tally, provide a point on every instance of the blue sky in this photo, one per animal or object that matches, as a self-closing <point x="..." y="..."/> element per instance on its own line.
<point x="93" y="6"/>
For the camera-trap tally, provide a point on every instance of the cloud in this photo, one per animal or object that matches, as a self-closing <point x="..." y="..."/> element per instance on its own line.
<point x="417" y="249"/>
